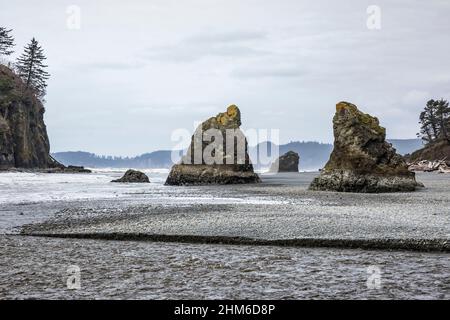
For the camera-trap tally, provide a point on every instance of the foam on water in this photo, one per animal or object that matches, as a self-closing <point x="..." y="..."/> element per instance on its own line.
<point x="24" y="188"/>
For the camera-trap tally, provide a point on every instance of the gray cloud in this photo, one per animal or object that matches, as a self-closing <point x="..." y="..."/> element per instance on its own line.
<point x="191" y="53"/>
<point x="269" y="72"/>
<point x="210" y="44"/>
<point x="134" y="73"/>
<point x="110" y="65"/>
<point x="226" y="37"/>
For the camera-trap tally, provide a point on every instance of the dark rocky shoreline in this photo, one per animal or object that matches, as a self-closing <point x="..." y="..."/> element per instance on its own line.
<point x="61" y="169"/>
<point x="422" y="245"/>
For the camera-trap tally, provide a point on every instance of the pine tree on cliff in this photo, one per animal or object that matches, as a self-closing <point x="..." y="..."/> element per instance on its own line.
<point x="443" y="115"/>
<point x="435" y="121"/>
<point x="428" y="123"/>
<point x="31" y="68"/>
<point x="6" y="42"/>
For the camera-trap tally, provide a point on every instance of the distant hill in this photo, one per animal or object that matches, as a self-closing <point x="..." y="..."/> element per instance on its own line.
<point x="157" y="159"/>
<point x="313" y="155"/>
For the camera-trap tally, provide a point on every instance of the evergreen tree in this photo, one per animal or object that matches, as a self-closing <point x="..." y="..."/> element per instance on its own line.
<point x="443" y="115"/>
<point x="435" y="121"/>
<point x="31" y="69"/>
<point x="6" y="42"/>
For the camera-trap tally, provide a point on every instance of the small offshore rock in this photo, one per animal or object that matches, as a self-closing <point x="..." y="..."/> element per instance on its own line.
<point x="76" y="169"/>
<point x="133" y="176"/>
<point x="288" y="162"/>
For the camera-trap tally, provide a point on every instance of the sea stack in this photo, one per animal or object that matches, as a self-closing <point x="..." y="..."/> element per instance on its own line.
<point x="362" y="160"/>
<point x="23" y="136"/>
<point x="218" y="154"/>
<point x="288" y="162"/>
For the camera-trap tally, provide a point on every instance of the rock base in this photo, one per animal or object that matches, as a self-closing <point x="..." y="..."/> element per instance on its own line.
<point x="76" y="169"/>
<point x="56" y="169"/>
<point x="348" y="181"/>
<point x="188" y="174"/>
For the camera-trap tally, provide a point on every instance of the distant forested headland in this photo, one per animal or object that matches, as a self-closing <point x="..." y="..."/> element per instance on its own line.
<point x="313" y="155"/>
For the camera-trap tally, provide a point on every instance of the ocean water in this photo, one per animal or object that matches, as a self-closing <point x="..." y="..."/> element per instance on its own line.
<point x="34" y="197"/>
<point x="32" y="267"/>
<point x="25" y="188"/>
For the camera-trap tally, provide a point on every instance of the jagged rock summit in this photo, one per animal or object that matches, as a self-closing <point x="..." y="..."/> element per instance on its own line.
<point x="133" y="176"/>
<point x="23" y="136"/>
<point x="218" y="154"/>
<point x="362" y="160"/>
<point x="288" y="162"/>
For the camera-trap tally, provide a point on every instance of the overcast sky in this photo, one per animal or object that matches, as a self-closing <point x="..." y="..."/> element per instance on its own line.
<point x="137" y="70"/>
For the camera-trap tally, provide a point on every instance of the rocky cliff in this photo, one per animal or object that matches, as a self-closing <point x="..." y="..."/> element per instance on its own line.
<point x="362" y="160"/>
<point x="23" y="136"/>
<point x="435" y="151"/>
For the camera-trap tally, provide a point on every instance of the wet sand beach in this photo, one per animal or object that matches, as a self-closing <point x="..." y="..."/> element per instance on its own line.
<point x="36" y="268"/>
<point x="278" y="211"/>
<point x="195" y="266"/>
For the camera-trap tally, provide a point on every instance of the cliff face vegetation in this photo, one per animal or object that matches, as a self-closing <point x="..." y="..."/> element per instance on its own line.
<point x="23" y="136"/>
<point x="434" y="131"/>
<point x="434" y="151"/>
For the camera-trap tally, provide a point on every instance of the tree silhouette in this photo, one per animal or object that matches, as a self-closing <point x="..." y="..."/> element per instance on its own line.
<point x="443" y="115"/>
<point x="31" y="68"/>
<point x="6" y="42"/>
<point x="435" y="121"/>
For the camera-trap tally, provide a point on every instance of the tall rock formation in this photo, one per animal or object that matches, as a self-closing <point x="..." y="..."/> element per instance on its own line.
<point x="218" y="154"/>
<point x="362" y="160"/>
<point x="288" y="162"/>
<point x="23" y="135"/>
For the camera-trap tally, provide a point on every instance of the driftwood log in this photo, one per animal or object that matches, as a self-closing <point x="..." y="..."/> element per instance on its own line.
<point x="429" y="166"/>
